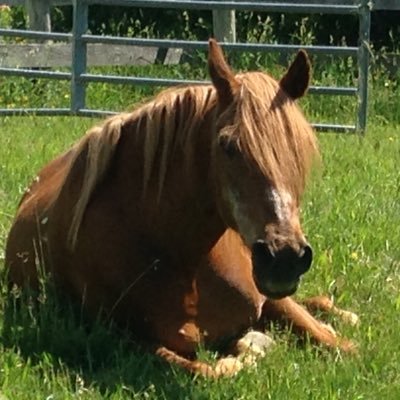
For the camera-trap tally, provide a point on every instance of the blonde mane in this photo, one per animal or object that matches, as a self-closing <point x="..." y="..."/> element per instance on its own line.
<point x="169" y="120"/>
<point x="270" y="129"/>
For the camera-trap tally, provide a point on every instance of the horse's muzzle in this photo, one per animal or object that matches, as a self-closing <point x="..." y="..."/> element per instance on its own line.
<point x="278" y="274"/>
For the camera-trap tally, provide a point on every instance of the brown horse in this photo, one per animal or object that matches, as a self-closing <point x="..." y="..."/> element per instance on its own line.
<point x="180" y="219"/>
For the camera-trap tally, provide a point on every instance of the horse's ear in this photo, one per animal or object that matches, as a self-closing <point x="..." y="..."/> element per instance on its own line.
<point x="297" y="78"/>
<point x="221" y="74"/>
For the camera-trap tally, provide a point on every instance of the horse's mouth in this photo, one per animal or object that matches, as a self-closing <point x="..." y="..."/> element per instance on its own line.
<point x="275" y="290"/>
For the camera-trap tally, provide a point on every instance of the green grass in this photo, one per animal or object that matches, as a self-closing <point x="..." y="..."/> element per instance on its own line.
<point x="351" y="215"/>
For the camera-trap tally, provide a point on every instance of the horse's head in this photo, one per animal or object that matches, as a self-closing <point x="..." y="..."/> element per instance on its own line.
<point x="263" y="151"/>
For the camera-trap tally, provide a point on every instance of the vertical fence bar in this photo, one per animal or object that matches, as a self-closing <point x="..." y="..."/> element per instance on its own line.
<point x="80" y="27"/>
<point x="224" y="25"/>
<point x="363" y="63"/>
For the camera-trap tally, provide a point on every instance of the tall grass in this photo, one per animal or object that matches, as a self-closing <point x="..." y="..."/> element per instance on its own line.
<point x="351" y="215"/>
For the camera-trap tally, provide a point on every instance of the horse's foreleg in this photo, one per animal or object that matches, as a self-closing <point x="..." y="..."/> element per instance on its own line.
<point x="243" y="352"/>
<point x="227" y="366"/>
<point x="326" y="305"/>
<point x="286" y="310"/>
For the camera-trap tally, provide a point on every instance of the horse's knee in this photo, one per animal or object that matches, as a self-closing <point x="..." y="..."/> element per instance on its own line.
<point x="326" y="305"/>
<point x="318" y="303"/>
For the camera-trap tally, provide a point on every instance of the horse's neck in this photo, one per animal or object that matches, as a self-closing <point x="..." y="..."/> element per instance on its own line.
<point x="183" y="214"/>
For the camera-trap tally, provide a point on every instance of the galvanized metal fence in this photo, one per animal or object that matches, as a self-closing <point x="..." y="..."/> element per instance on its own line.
<point x="79" y="77"/>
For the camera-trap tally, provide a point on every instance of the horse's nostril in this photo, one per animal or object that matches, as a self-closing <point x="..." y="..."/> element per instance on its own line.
<point x="285" y="261"/>
<point x="305" y="259"/>
<point x="261" y="253"/>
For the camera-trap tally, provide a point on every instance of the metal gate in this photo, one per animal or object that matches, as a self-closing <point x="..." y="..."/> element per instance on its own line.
<point x="79" y="38"/>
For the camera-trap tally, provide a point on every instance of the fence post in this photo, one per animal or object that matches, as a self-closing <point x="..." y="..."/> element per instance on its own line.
<point x="224" y="25"/>
<point x="80" y="27"/>
<point x="363" y="64"/>
<point x="38" y="15"/>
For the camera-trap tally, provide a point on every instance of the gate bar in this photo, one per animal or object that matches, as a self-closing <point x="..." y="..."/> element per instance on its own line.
<point x="363" y="64"/>
<point x="305" y="8"/>
<point x="79" y="54"/>
<point x="202" y="45"/>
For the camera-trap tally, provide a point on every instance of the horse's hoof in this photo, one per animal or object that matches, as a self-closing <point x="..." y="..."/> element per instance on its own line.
<point x="350" y="317"/>
<point x="255" y="343"/>
<point x="348" y="346"/>
<point x="227" y="366"/>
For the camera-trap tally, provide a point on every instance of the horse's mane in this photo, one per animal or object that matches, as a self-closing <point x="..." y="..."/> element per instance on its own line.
<point x="270" y="129"/>
<point x="167" y="121"/>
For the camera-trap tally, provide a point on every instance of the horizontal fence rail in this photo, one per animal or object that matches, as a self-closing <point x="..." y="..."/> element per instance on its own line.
<point x="263" y="6"/>
<point x="80" y="41"/>
<point x="375" y="4"/>
<point x="197" y="45"/>
<point x="26" y="34"/>
<point x="28" y="73"/>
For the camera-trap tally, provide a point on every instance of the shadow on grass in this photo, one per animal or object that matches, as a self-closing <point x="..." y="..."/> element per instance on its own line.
<point x="99" y="355"/>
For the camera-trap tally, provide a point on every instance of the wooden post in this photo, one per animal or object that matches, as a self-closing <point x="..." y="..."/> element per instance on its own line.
<point x="38" y="15"/>
<point x="224" y="25"/>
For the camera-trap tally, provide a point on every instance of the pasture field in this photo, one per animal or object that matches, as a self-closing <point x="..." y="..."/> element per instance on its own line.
<point x="351" y="215"/>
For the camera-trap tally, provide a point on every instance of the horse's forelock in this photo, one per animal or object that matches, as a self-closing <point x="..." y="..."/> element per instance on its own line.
<point x="273" y="132"/>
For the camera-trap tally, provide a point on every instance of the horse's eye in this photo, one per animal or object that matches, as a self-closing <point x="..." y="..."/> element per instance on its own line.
<point x="229" y="145"/>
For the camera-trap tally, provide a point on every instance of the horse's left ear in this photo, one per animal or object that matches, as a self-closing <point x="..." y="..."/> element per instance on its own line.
<point x="221" y="74"/>
<point x="297" y="78"/>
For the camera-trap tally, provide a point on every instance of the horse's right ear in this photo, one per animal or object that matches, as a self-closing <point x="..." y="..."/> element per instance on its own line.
<point x="221" y="74"/>
<point x="297" y="78"/>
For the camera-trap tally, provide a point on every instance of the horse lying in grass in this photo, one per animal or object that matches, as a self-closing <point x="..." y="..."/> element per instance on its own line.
<point x="180" y="220"/>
